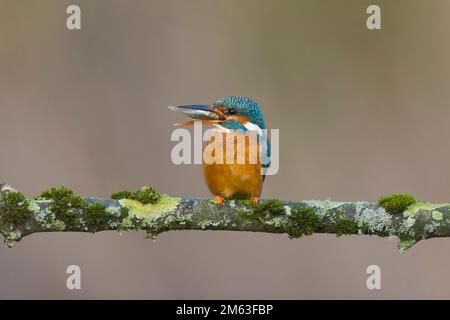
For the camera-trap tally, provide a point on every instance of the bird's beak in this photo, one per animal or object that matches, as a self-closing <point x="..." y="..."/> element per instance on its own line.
<point x="205" y="114"/>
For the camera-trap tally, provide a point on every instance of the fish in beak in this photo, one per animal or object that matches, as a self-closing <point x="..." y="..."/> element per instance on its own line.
<point x="205" y="114"/>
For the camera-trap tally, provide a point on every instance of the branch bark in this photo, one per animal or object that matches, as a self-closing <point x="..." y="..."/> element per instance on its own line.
<point x="21" y="216"/>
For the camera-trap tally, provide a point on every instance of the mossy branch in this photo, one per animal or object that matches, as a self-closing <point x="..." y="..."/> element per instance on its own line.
<point x="59" y="209"/>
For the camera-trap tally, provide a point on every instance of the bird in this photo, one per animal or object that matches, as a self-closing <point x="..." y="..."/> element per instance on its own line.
<point x="236" y="118"/>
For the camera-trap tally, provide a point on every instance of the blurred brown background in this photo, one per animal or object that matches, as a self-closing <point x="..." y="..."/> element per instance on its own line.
<point x="361" y="114"/>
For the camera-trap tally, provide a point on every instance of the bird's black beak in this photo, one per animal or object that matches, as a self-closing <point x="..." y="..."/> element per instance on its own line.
<point x="205" y="114"/>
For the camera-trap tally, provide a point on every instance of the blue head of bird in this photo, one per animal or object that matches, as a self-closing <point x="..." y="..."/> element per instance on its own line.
<point x="233" y="113"/>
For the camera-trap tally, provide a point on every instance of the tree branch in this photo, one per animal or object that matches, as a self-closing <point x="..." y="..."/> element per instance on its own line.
<point x="59" y="209"/>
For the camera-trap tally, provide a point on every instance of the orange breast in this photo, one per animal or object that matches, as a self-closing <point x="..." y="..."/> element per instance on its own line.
<point x="232" y="165"/>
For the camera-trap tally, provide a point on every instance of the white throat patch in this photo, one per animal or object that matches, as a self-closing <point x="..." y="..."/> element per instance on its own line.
<point x="249" y="126"/>
<point x="253" y="127"/>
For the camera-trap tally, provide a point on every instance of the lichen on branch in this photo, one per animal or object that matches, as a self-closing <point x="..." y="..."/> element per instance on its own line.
<point x="60" y="209"/>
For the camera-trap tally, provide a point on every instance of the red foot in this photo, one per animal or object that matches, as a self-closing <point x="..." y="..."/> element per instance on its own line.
<point x="219" y="199"/>
<point x="255" y="200"/>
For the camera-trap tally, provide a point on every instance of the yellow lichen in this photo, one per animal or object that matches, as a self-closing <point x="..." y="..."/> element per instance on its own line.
<point x="422" y="206"/>
<point x="165" y="204"/>
<point x="32" y="206"/>
<point x="436" y="215"/>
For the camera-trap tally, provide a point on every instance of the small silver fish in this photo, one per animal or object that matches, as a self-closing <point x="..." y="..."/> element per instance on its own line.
<point x="197" y="114"/>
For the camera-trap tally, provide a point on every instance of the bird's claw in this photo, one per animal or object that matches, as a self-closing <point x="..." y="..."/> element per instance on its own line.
<point x="219" y="199"/>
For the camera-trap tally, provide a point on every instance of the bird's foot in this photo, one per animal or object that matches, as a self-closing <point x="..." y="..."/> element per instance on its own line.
<point x="219" y="199"/>
<point x="255" y="200"/>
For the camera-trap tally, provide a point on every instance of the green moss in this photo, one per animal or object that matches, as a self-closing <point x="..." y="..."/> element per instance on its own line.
<point x="55" y="194"/>
<point x="145" y="195"/>
<point x="396" y="203"/>
<point x="344" y="224"/>
<point x="302" y="221"/>
<point x="405" y="244"/>
<point x="124" y="194"/>
<point x="99" y="218"/>
<point x="66" y="206"/>
<point x="14" y="208"/>
<point x="261" y="211"/>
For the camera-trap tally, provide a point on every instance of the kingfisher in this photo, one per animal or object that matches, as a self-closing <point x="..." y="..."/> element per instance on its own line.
<point x="239" y="118"/>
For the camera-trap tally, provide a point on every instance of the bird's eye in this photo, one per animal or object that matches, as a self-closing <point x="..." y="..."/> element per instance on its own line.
<point x="232" y="111"/>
